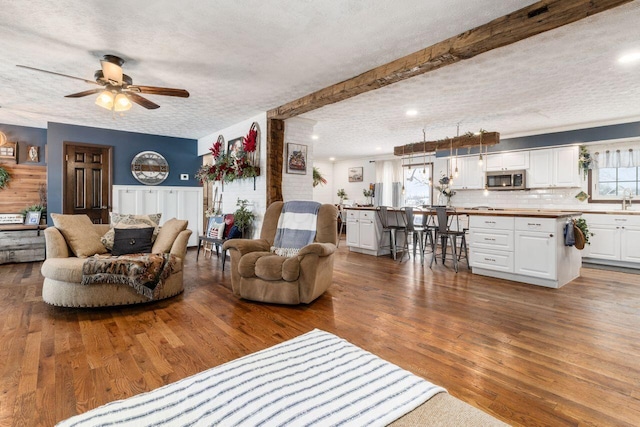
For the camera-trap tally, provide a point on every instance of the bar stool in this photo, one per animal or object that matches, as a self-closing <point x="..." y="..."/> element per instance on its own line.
<point x="342" y="216"/>
<point x="416" y="227"/>
<point x="392" y="226"/>
<point x="446" y="217"/>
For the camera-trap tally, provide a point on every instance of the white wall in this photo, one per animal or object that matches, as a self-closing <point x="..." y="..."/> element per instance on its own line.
<point x="353" y="189"/>
<point x="324" y="193"/>
<point x="243" y="189"/>
<point x="298" y="186"/>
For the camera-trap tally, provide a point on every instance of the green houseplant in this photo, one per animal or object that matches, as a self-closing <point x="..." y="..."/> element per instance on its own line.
<point x="4" y="177"/>
<point x="342" y="195"/>
<point x="318" y="179"/>
<point x="243" y="217"/>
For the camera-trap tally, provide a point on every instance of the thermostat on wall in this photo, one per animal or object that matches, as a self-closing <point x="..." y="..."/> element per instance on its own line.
<point x="184" y="177"/>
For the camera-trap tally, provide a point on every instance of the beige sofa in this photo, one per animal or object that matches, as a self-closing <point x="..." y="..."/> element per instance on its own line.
<point x="62" y="272"/>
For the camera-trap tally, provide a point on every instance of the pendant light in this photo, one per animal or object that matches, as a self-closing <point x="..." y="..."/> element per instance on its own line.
<point x="480" y="159"/>
<point x="455" y="174"/>
<point x="403" y="170"/>
<point x="450" y="165"/>
<point x="424" y="151"/>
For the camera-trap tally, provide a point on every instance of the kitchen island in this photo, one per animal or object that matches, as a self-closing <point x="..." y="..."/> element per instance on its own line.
<point x="523" y="245"/>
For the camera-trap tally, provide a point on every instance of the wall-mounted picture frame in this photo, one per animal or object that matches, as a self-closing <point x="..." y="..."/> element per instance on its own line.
<point x="33" y="153"/>
<point x="9" y="150"/>
<point x="235" y="149"/>
<point x="356" y="174"/>
<point x="296" y="159"/>
<point x="32" y="218"/>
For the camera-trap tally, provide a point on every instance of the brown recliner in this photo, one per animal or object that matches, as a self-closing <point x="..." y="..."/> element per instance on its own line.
<point x="259" y="275"/>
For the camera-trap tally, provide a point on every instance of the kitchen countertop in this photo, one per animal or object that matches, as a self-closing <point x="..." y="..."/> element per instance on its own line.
<point x="529" y="213"/>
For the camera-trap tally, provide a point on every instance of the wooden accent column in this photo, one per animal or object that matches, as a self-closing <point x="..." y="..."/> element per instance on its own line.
<point x="275" y="155"/>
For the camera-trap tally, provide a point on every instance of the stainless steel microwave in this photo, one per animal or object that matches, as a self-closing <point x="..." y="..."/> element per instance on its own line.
<point x="506" y="180"/>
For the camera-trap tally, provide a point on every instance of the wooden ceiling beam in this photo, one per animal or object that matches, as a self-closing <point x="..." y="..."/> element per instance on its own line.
<point x="464" y="141"/>
<point x="542" y="16"/>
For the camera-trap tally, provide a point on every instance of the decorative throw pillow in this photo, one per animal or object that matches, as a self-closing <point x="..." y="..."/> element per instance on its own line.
<point x="216" y="230"/>
<point x="132" y="240"/>
<point x="168" y="234"/>
<point x="131" y="221"/>
<point x="80" y="234"/>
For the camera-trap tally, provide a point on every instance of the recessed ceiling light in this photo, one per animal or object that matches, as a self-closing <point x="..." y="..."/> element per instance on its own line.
<point x="332" y="158"/>
<point x="378" y="148"/>
<point x="629" y="57"/>
<point x="412" y="113"/>
<point x="314" y="136"/>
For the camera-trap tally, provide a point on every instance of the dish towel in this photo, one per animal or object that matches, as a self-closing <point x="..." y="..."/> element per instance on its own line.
<point x="569" y="237"/>
<point x="296" y="227"/>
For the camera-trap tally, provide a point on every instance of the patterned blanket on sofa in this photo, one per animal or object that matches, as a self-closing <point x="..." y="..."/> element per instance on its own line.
<point x="143" y="272"/>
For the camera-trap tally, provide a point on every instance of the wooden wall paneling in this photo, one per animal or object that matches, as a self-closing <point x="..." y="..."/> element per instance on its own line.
<point x="23" y="189"/>
<point x="275" y="159"/>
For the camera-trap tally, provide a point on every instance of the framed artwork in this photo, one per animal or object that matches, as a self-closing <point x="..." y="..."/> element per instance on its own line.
<point x="9" y="151"/>
<point x="33" y="153"/>
<point x="32" y="218"/>
<point x="296" y="159"/>
<point x="235" y="148"/>
<point x="355" y="174"/>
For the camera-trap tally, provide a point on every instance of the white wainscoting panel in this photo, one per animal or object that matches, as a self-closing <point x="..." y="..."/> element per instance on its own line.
<point x="172" y="202"/>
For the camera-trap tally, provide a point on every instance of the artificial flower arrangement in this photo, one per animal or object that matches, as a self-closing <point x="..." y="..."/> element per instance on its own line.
<point x="444" y="188"/>
<point x="228" y="168"/>
<point x="584" y="161"/>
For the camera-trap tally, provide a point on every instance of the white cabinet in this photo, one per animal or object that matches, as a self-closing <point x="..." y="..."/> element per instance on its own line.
<point x="554" y="167"/>
<point x="364" y="232"/>
<point x="523" y="249"/>
<point x="508" y="161"/>
<point x="536" y="242"/>
<point x="470" y="173"/>
<point x="491" y="243"/>
<point x="171" y="202"/>
<point x="614" y="241"/>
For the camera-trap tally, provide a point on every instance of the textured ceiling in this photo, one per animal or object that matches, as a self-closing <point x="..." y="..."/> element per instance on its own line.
<point x="238" y="59"/>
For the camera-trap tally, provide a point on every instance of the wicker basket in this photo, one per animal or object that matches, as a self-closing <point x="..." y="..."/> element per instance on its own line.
<point x="579" y="236"/>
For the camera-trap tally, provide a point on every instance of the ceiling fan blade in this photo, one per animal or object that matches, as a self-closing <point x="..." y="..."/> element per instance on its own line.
<point x="85" y="93"/>
<point x="153" y="90"/>
<point x="59" y="74"/>
<point x="142" y="101"/>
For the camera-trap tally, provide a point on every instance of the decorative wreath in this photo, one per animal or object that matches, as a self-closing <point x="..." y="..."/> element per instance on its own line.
<point x="228" y="168"/>
<point x="5" y="177"/>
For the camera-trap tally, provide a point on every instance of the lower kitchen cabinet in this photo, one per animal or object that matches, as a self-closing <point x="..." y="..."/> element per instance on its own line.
<point x="364" y="232"/>
<point x="614" y="241"/>
<point x="523" y="249"/>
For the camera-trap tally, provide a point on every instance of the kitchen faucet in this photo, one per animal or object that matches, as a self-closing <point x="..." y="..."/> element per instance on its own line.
<point x="627" y="195"/>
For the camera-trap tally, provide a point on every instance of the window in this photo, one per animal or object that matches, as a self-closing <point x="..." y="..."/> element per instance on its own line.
<point x="417" y="191"/>
<point x="611" y="183"/>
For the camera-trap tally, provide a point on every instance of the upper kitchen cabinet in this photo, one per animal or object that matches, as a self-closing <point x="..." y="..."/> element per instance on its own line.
<point x="554" y="167"/>
<point x="470" y="173"/>
<point x="508" y="161"/>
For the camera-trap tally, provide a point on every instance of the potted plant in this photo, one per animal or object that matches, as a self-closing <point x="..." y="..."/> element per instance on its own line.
<point x="342" y="195"/>
<point x="243" y="217"/>
<point x="368" y="193"/>
<point x="4" y="177"/>
<point x="35" y="208"/>
<point x="318" y="179"/>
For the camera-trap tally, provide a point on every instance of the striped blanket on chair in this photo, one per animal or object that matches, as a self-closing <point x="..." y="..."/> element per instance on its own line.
<point x="296" y="227"/>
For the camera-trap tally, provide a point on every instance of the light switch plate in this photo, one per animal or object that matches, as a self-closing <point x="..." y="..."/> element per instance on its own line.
<point x="184" y="177"/>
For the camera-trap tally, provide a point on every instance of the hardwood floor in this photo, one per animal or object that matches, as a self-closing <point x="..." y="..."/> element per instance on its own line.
<point x="525" y="354"/>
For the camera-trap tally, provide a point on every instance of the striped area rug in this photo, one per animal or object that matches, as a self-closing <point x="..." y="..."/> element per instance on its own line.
<point x="316" y="379"/>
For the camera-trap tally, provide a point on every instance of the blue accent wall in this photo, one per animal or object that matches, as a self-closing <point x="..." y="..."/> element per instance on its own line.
<point x="181" y="154"/>
<point x="26" y="136"/>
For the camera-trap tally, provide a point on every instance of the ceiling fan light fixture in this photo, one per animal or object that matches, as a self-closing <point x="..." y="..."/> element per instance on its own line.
<point x="121" y="103"/>
<point x="105" y="100"/>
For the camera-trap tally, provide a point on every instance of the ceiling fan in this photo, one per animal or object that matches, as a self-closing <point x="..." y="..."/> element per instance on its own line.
<point x="117" y="90"/>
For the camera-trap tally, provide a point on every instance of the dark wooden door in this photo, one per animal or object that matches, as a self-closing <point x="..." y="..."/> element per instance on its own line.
<point x="87" y="181"/>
